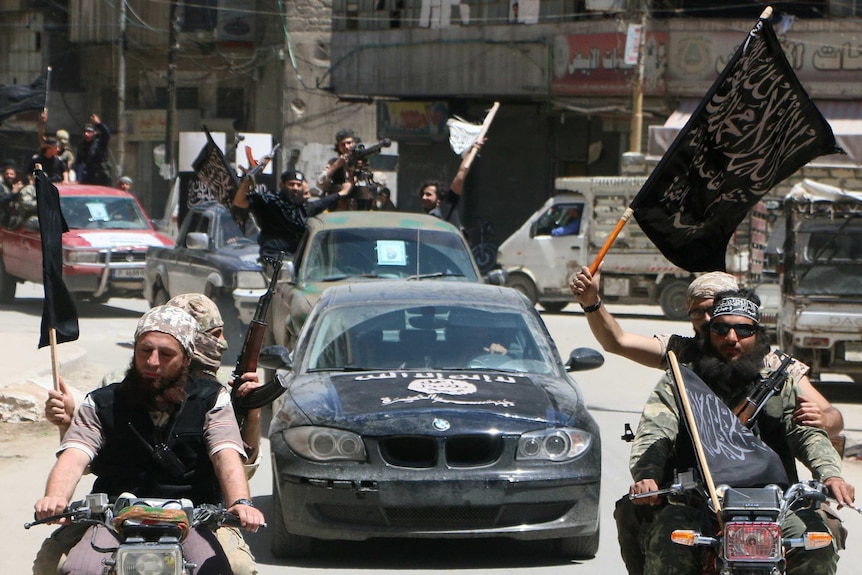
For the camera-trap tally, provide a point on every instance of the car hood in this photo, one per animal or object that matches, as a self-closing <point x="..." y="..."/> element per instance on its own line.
<point x="115" y="238"/>
<point x="408" y="401"/>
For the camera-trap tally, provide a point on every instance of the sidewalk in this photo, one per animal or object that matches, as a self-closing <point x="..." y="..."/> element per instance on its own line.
<point x="28" y="376"/>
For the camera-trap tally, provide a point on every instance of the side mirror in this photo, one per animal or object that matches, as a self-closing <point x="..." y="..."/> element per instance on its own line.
<point x="497" y="277"/>
<point x="274" y="357"/>
<point x="584" y="359"/>
<point x="288" y="272"/>
<point x="197" y="241"/>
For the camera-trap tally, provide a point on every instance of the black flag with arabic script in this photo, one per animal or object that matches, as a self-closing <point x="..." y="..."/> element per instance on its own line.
<point x="58" y="308"/>
<point x="16" y="98"/>
<point x="734" y="455"/>
<point x="755" y="127"/>
<point x="212" y="168"/>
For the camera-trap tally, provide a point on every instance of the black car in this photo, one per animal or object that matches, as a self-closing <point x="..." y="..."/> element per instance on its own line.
<point x="427" y="409"/>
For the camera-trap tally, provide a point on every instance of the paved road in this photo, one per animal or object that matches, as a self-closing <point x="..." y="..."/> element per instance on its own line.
<point x="615" y="393"/>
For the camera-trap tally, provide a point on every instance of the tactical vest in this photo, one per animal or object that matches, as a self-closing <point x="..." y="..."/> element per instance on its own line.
<point x="129" y="461"/>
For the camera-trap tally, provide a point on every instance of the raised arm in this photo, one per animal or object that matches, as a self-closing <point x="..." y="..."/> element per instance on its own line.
<point x="457" y="184"/>
<point x="643" y="349"/>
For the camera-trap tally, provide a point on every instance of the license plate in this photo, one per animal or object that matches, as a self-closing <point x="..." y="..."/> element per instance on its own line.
<point x="853" y="352"/>
<point x="129" y="273"/>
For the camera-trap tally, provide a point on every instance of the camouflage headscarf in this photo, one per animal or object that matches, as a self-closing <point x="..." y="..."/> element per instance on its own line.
<point x="172" y="321"/>
<point x="208" y="348"/>
<point x="709" y="284"/>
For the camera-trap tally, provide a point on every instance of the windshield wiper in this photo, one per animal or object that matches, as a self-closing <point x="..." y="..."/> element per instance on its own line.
<point x="435" y="275"/>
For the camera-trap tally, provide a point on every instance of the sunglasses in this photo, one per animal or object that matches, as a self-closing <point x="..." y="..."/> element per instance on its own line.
<point x="743" y="330"/>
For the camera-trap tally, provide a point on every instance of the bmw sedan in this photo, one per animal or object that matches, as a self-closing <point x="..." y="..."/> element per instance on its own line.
<point x="434" y="410"/>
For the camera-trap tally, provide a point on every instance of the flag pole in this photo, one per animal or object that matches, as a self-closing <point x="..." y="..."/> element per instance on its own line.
<point x="695" y="435"/>
<point x="55" y="364"/>
<point x="471" y="153"/>
<point x="611" y="239"/>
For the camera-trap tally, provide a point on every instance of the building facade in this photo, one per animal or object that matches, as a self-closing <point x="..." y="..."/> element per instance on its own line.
<point x="397" y="69"/>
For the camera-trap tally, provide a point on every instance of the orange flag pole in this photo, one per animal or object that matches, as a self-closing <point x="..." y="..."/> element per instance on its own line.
<point x="611" y="239"/>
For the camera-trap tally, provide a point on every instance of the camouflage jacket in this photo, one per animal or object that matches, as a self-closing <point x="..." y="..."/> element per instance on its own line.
<point x="652" y="450"/>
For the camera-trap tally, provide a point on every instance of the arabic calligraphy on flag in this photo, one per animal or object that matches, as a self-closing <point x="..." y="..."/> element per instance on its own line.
<point x="755" y="127"/>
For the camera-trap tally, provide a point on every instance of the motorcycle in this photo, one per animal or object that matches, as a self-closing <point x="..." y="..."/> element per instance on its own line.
<point x="149" y="532"/>
<point x="750" y="541"/>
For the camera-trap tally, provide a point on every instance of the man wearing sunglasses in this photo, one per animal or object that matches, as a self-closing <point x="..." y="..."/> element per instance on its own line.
<point x="813" y="409"/>
<point x="734" y="356"/>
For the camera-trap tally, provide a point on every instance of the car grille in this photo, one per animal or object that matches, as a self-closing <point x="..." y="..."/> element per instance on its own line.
<point x="463" y="517"/>
<point x="128" y="256"/>
<point x="416" y="451"/>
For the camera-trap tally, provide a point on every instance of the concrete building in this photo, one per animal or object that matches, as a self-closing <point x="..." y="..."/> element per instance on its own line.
<point x="302" y="70"/>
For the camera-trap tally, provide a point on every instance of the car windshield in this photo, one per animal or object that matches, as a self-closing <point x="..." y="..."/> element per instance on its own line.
<point x="103" y="212"/>
<point x="386" y="253"/>
<point x="451" y="337"/>
<point x="231" y="234"/>
<point x="831" y="264"/>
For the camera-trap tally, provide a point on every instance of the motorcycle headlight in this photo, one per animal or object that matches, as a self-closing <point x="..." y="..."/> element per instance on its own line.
<point x="559" y="444"/>
<point x="757" y="541"/>
<point x="150" y="559"/>
<point x="325" y="444"/>
<point x="250" y="280"/>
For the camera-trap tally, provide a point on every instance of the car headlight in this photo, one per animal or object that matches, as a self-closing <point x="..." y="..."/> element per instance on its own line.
<point x="325" y="444"/>
<point x="81" y="257"/>
<point x="559" y="444"/>
<point x="250" y="280"/>
<point x="150" y="560"/>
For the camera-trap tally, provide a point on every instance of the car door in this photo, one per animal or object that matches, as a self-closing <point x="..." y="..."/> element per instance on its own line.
<point x="557" y="245"/>
<point x="186" y="270"/>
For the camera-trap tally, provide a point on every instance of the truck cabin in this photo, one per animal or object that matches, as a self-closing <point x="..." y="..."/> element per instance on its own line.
<point x="829" y="257"/>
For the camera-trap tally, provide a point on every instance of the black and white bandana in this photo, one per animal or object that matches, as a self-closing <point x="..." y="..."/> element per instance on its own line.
<point x="737" y="306"/>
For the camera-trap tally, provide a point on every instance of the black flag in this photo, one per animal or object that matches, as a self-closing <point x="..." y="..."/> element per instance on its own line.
<point x="754" y="128"/>
<point x="17" y="98"/>
<point x="734" y="455"/>
<point x="212" y="168"/>
<point x="58" y="310"/>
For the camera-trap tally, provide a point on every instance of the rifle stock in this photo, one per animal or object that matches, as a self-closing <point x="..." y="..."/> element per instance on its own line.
<point x="247" y="359"/>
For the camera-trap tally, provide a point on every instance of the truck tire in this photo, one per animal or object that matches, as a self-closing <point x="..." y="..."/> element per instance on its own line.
<point x="160" y="296"/>
<point x="673" y="300"/>
<point x="524" y="285"/>
<point x="8" y="284"/>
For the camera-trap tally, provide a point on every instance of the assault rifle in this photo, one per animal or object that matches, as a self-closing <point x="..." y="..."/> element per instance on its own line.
<point x="750" y="407"/>
<point x="247" y="360"/>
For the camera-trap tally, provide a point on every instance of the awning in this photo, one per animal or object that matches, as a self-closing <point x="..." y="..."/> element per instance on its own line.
<point x="844" y="116"/>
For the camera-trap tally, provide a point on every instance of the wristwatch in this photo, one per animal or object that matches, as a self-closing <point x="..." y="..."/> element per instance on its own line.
<point x="242" y="501"/>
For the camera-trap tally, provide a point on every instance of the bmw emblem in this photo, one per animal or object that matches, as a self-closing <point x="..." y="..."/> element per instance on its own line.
<point x="440" y="424"/>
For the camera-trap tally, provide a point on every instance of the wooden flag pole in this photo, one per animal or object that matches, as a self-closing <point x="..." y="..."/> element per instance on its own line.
<point x="55" y="364"/>
<point x="695" y="435"/>
<point x="611" y="238"/>
<point x="471" y="153"/>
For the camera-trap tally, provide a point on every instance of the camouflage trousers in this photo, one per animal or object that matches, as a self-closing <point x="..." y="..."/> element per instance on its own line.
<point x="664" y="557"/>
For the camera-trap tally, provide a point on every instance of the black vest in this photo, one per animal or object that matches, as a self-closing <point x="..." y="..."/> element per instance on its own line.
<point x="126" y="463"/>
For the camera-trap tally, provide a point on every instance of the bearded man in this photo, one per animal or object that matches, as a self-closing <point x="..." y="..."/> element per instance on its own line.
<point x="157" y="408"/>
<point x="282" y="216"/>
<point x="735" y="354"/>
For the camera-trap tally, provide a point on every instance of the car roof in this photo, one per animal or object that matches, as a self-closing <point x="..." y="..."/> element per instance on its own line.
<point x="428" y="290"/>
<point x="356" y="219"/>
<point x="88" y="190"/>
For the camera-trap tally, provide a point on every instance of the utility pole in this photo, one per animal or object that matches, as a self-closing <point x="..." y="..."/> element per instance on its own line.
<point x="171" y="114"/>
<point x="121" y="92"/>
<point x="636" y="133"/>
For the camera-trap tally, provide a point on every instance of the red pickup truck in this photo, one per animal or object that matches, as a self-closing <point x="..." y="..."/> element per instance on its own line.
<point x="104" y="251"/>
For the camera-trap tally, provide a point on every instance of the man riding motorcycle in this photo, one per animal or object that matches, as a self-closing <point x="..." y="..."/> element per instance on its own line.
<point x="731" y="363"/>
<point x="158" y="433"/>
